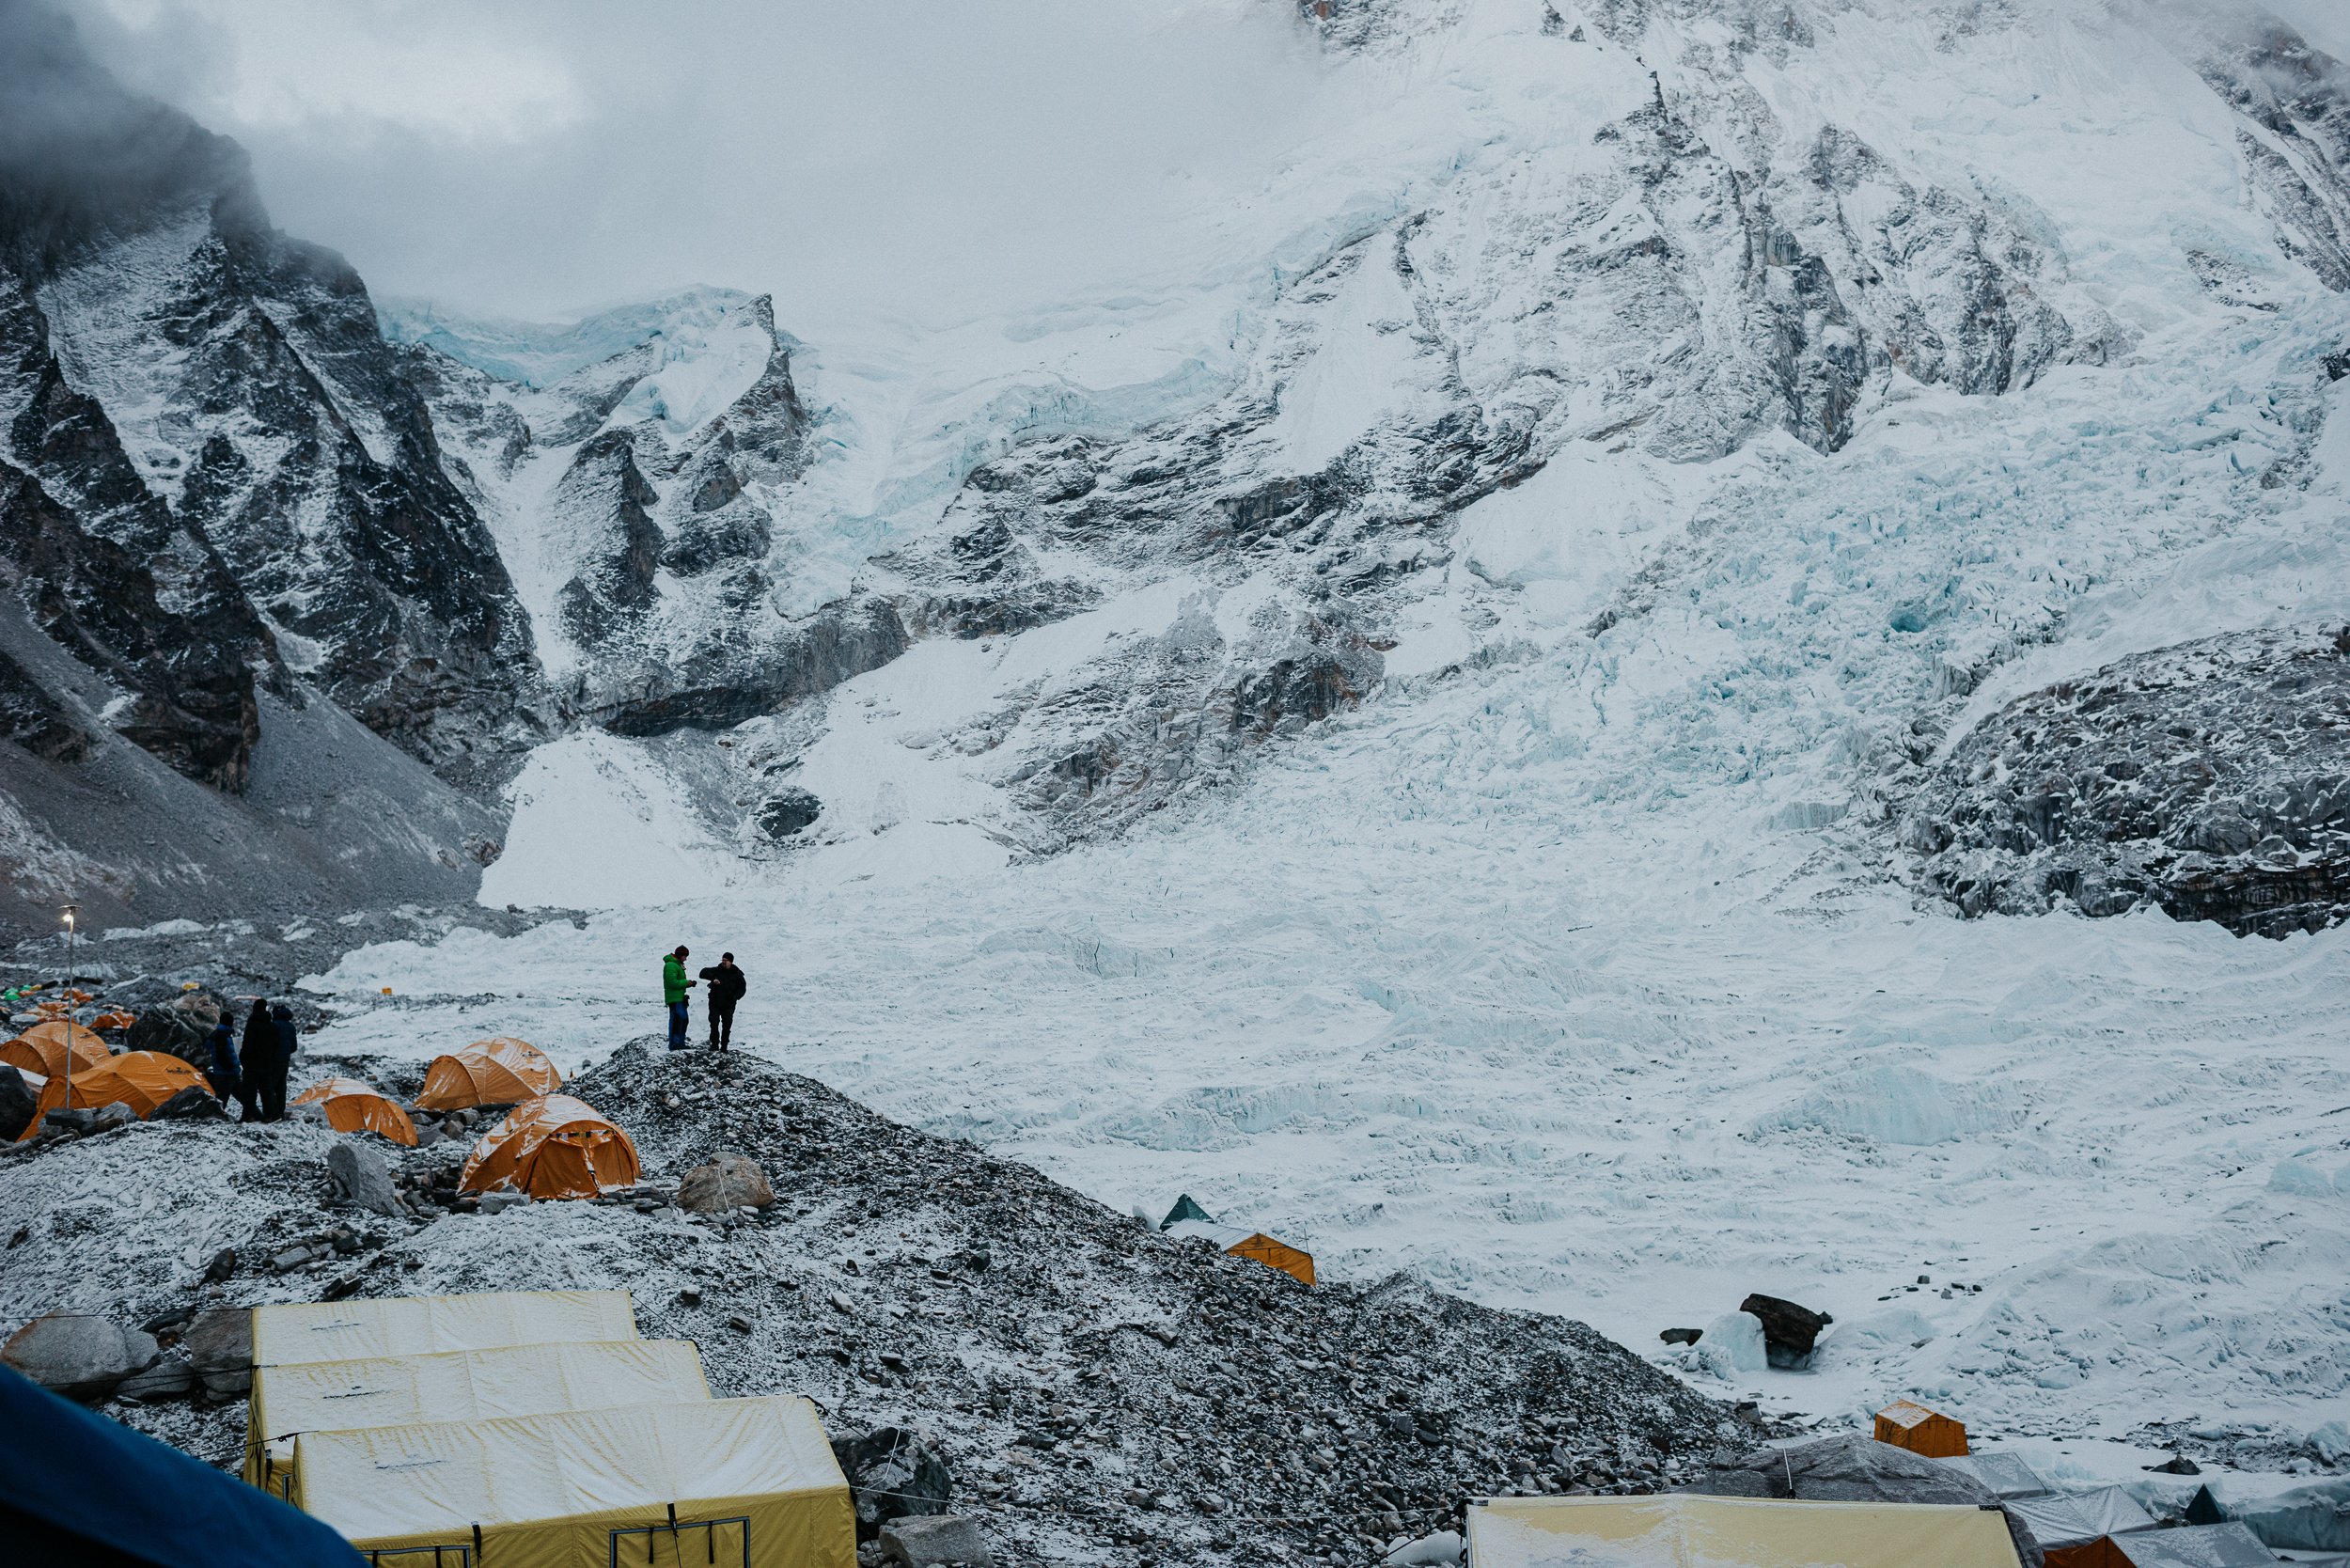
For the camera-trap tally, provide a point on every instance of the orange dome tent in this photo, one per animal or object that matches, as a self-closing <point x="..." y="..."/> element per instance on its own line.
<point x="558" y="1147"/>
<point x="42" y="1049"/>
<point x="353" y="1106"/>
<point x="500" y="1071"/>
<point x="139" y="1079"/>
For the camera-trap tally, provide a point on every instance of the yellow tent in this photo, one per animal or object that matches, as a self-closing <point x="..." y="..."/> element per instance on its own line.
<point x="742" y="1482"/>
<point x="352" y="1105"/>
<point x="557" y="1147"/>
<point x="139" y="1079"/>
<point x="42" y="1049"/>
<point x="299" y="1333"/>
<point x="500" y="1071"/>
<point x="457" y="1386"/>
<point x="1678" y="1530"/>
<point x="1241" y="1242"/>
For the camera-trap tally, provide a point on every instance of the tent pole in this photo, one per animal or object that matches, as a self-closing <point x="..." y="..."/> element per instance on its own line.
<point x="70" y="911"/>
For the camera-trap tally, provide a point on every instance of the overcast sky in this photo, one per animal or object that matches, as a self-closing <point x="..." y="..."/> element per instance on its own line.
<point x="940" y="157"/>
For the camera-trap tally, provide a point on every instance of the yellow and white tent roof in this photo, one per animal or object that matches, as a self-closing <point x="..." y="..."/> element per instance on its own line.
<point x="546" y="1489"/>
<point x="1688" y="1531"/>
<point x="473" y="1385"/>
<point x="304" y="1332"/>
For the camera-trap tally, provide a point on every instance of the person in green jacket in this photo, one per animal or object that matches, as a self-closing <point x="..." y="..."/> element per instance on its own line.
<point x="674" y="985"/>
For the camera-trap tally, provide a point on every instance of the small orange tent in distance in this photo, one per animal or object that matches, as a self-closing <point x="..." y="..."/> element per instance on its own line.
<point x="1241" y="1242"/>
<point x="139" y="1079"/>
<point x="353" y="1106"/>
<point x="558" y="1147"/>
<point x="500" y="1071"/>
<point x="1909" y="1425"/>
<point x="42" y="1049"/>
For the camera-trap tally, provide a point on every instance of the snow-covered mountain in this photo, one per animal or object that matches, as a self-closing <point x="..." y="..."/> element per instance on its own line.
<point x="1567" y="728"/>
<point x="1674" y="672"/>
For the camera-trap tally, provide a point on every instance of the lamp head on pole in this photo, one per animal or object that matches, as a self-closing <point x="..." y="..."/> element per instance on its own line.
<point x="72" y="912"/>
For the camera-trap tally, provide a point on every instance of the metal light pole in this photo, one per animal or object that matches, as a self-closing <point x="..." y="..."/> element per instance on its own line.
<point x="73" y="912"/>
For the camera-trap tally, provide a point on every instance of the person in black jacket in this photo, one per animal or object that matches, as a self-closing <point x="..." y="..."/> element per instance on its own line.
<point x="271" y="1089"/>
<point x="260" y="1044"/>
<point x="727" y="986"/>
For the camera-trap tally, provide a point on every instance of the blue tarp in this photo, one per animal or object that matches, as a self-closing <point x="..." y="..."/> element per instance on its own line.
<point x="76" y="1488"/>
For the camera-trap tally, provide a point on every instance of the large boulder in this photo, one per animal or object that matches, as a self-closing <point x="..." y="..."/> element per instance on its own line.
<point x="1857" y="1469"/>
<point x="1789" y="1332"/>
<point x="729" y="1182"/>
<point x="934" y="1541"/>
<point x="219" y="1347"/>
<point x="357" y="1174"/>
<point x="17" y="1104"/>
<point x="895" y="1473"/>
<point x="180" y="1027"/>
<point x="79" y="1357"/>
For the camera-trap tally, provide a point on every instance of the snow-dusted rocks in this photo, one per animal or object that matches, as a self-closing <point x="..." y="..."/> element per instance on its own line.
<point x="2212" y="780"/>
<point x="357" y="1175"/>
<point x="79" y="1356"/>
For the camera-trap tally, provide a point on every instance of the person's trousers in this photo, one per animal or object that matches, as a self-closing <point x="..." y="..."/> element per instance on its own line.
<point x="273" y="1093"/>
<point x="677" y="1019"/>
<point x="722" y="1025"/>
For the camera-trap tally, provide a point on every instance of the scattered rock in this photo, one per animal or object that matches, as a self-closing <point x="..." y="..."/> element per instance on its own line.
<point x="1682" y="1335"/>
<point x="219" y="1347"/>
<point x="171" y="1377"/>
<point x="2177" y="1464"/>
<point x="1790" y="1332"/>
<point x="893" y="1473"/>
<point x="926" y="1540"/>
<point x="189" y="1105"/>
<point x="729" y="1182"/>
<point x="357" y="1174"/>
<point x="17" y="1104"/>
<point x="79" y="1357"/>
<point x="71" y="1122"/>
<point x="689" y="1296"/>
<point x="108" y="1116"/>
<point x="295" y="1257"/>
<point x="163" y="1321"/>
<point x="737" y="1321"/>
<point x="499" y="1202"/>
<point x="224" y="1263"/>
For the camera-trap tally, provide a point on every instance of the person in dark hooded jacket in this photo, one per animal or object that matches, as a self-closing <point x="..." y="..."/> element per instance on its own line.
<point x="260" y="1046"/>
<point x="273" y="1087"/>
<point x="227" y="1082"/>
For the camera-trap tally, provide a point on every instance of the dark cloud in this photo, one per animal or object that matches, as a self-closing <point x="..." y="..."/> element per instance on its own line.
<point x="934" y="158"/>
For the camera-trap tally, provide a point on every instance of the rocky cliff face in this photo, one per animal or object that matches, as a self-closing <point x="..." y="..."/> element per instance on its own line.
<point x="216" y="488"/>
<point x="183" y="370"/>
<point x="2211" y="779"/>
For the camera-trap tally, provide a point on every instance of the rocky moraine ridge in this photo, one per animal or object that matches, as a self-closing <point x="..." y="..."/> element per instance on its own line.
<point x="1095" y="1391"/>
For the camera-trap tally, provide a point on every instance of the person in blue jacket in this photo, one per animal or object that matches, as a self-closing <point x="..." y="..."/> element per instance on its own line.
<point x="227" y="1082"/>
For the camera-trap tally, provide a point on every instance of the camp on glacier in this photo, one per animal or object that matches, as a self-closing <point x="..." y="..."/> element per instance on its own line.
<point x="1609" y="655"/>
